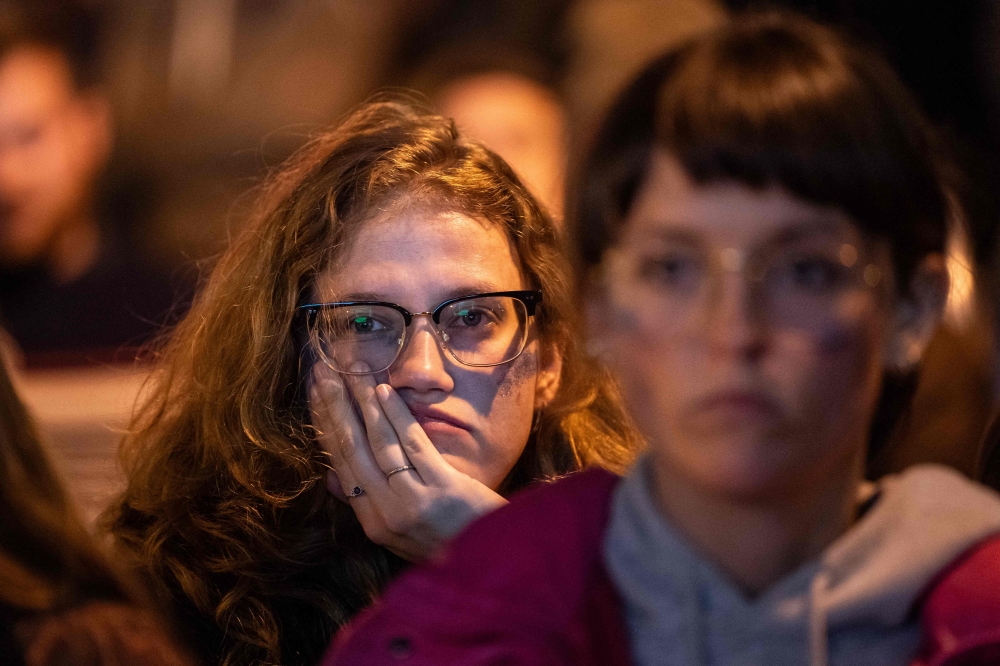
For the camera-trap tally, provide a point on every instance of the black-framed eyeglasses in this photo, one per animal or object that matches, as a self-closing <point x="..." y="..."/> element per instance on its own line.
<point x="364" y="337"/>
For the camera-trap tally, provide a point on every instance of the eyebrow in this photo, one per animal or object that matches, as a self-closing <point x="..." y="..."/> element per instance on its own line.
<point x="358" y="296"/>
<point x="794" y="232"/>
<point x="675" y="235"/>
<point x="804" y="231"/>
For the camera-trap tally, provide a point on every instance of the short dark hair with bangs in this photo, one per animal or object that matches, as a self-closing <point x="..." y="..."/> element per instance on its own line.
<point x="774" y="99"/>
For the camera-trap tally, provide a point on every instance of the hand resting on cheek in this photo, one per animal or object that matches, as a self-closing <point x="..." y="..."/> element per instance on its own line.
<point x="411" y="512"/>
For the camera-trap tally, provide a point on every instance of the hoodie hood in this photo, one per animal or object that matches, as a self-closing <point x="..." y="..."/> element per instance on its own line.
<point x="853" y="605"/>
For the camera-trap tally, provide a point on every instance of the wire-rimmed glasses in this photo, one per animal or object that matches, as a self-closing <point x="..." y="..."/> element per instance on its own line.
<point x="669" y="288"/>
<point x="479" y="330"/>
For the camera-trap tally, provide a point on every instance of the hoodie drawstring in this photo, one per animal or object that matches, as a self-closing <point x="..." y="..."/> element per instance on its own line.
<point x="818" y="654"/>
<point x="696" y="634"/>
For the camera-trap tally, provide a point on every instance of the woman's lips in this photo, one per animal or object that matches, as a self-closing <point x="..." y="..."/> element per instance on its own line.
<point x="441" y="432"/>
<point x="738" y="404"/>
<point x="433" y="418"/>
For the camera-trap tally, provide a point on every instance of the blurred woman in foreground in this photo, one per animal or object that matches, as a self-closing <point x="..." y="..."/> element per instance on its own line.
<point x="61" y="600"/>
<point x="400" y="310"/>
<point x="762" y="223"/>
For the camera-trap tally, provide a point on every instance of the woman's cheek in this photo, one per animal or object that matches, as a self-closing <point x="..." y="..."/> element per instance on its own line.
<point x="507" y="420"/>
<point x="825" y="377"/>
<point x="646" y="373"/>
<point x="517" y="377"/>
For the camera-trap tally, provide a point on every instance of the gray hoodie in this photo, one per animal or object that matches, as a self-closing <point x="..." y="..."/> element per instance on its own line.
<point x="853" y="606"/>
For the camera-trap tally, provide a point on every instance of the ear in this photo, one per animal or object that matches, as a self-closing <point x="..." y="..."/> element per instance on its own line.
<point x="918" y="313"/>
<point x="548" y="377"/>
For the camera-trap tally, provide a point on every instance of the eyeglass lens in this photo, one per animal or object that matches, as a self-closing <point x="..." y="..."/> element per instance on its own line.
<point x="482" y="331"/>
<point x="671" y="289"/>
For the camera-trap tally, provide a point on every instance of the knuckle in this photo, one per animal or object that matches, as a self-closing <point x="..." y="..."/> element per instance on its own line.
<point x="402" y="522"/>
<point x="396" y="524"/>
<point x="411" y="440"/>
<point x="335" y="450"/>
<point x="333" y="457"/>
<point x="424" y="507"/>
<point x="346" y="449"/>
<point x="378" y="533"/>
<point x="326" y="388"/>
<point x="376" y="437"/>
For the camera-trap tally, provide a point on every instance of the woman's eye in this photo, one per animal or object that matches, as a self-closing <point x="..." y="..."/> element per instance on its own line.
<point x="813" y="273"/>
<point x="362" y="325"/>
<point x="25" y="136"/>
<point x="669" y="270"/>
<point x="469" y="318"/>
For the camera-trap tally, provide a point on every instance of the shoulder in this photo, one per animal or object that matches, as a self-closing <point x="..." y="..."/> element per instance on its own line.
<point x="961" y="611"/>
<point x="509" y="585"/>
<point x="960" y="608"/>
<point x="562" y="522"/>
<point x="938" y="489"/>
<point x="575" y="504"/>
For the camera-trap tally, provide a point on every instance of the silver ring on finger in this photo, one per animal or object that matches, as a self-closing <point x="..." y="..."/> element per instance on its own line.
<point x="397" y="470"/>
<point x="357" y="491"/>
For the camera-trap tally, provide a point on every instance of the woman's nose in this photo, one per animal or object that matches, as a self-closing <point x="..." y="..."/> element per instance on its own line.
<point x="422" y="364"/>
<point x="733" y="316"/>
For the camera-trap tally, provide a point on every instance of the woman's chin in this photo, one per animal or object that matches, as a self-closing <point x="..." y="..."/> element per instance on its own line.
<point x="452" y="444"/>
<point x="744" y="468"/>
<point x="490" y="476"/>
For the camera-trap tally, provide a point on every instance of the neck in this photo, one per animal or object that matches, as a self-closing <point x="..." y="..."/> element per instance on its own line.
<point x="74" y="250"/>
<point x="757" y="542"/>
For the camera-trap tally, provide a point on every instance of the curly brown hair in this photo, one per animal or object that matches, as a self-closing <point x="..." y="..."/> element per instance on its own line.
<point x="226" y="507"/>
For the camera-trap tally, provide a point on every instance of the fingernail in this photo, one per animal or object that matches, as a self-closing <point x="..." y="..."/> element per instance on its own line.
<point x="383" y="391"/>
<point x="358" y="366"/>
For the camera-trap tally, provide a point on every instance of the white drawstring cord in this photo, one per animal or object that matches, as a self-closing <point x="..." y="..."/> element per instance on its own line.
<point x="818" y="655"/>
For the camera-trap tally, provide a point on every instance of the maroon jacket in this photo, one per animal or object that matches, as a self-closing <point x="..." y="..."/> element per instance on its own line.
<point x="526" y="586"/>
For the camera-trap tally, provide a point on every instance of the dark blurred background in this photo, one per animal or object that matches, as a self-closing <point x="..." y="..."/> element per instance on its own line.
<point x="203" y="97"/>
<point x="208" y="94"/>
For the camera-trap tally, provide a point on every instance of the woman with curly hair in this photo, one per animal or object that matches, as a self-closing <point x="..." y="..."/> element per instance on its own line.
<point x="396" y="328"/>
<point x="61" y="599"/>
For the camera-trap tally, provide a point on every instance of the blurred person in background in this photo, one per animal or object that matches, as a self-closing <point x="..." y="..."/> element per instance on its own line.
<point x="762" y="228"/>
<point x="496" y="67"/>
<point x="71" y="286"/>
<point x="504" y="98"/>
<point x="387" y="351"/>
<point x="62" y="601"/>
